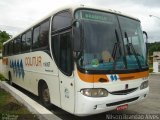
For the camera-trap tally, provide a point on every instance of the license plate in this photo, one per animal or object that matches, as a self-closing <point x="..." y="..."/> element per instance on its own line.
<point x="122" y="107"/>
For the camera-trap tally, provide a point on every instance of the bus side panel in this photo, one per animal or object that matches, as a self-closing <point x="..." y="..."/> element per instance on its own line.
<point x="80" y="84"/>
<point x="29" y="68"/>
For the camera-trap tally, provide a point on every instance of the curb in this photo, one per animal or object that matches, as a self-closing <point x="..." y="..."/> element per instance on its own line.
<point x="34" y="107"/>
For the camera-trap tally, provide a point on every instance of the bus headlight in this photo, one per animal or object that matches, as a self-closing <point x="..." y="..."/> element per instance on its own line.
<point x="94" y="92"/>
<point x="144" y="85"/>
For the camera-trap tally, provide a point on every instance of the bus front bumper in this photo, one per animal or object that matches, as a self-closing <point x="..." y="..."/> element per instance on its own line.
<point x="86" y="106"/>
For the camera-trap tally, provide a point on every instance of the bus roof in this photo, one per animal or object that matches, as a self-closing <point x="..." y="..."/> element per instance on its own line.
<point x="73" y="8"/>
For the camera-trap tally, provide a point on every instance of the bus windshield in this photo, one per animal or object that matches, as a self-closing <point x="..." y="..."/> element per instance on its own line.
<point x="109" y="44"/>
<point x="134" y="44"/>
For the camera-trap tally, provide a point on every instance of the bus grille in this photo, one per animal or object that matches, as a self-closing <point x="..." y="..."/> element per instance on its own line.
<point x="122" y="102"/>
<point x="124" y="92"/>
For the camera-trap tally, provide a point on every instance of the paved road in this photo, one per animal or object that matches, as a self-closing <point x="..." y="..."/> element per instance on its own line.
<point x="151" y="105"/>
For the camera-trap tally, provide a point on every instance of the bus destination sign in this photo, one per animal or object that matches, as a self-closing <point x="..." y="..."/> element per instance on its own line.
<point x="96" y="16"/>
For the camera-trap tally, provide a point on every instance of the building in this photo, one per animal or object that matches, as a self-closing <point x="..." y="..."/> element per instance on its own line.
<point x="156" y="62"/>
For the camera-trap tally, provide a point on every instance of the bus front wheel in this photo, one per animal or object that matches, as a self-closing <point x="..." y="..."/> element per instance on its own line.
<point x="44" y="96"/>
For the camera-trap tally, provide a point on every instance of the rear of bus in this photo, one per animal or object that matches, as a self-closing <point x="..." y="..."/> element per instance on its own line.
<point x="111" y="61"/>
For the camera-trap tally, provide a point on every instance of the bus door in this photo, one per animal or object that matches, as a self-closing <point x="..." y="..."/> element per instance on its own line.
<point x="67" y="92"/>
<point x="63" y="54"/>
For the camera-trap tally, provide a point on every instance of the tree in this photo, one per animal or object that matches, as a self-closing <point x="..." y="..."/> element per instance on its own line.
<point x="4" y="36"/>
<point x="153" y="47"/>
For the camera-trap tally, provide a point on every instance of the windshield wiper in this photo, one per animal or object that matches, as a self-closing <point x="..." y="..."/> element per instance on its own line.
<point x="130" y="46"/>
<point x="116" y="46"/>
<point x="115" y="49"/>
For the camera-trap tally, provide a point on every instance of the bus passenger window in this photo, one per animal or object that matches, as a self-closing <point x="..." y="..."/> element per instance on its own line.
<point x="17" y="45"/>
<point x="10" y="47"/>
<point x="28" y="40"/>
<point x="23" y="42"/>
<point x="36" y="37"/>
<point x="3" y="50"/>
<point x="6" y="50"/>
<point x="44" y="31"/>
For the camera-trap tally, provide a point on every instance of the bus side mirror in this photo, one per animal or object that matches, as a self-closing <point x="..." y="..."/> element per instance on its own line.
<point x="77" y="36"/>
<point x="145" y="33"/>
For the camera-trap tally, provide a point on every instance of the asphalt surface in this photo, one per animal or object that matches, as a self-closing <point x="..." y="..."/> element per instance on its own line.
<point x="151" y="105"/>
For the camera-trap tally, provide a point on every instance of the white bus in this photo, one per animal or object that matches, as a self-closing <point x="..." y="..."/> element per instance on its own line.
<point x="85" y="60"/>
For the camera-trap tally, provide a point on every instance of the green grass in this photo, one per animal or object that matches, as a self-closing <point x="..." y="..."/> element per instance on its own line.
<point x="10" y="106"/>
<point x="150" y="67"/>
<point x="2" y="78"/>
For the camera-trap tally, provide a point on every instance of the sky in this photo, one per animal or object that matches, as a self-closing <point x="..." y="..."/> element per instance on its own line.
<point x="17" y="15"/>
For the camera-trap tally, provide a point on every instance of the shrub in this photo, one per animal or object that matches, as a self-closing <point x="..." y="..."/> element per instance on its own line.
<point x="150" y="70"/>
<point x="2" y="77"/>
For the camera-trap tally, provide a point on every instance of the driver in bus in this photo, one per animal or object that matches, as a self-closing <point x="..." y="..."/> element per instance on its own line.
<point x="106" y="56"/>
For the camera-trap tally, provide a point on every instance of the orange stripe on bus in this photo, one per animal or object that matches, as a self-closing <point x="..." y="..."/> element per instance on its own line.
<point x="95" y="78"/>
<point x="133" y="76"/>
<point x="91" y="78"/>
<point x="86" y="77"/>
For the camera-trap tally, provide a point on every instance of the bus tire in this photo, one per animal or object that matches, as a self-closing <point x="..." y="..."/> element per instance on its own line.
<point x="10" y="79"/>
<point x="44" y="96"/>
